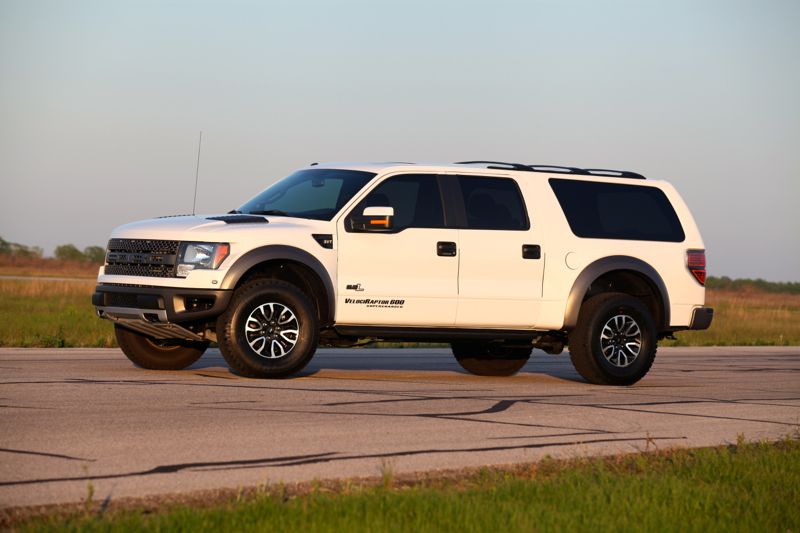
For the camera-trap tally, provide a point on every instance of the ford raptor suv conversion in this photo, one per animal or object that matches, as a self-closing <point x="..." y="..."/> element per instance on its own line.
<point x="493" y="258"/>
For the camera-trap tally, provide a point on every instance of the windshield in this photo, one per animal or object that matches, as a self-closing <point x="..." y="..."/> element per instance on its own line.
<point x="312" y="193"/>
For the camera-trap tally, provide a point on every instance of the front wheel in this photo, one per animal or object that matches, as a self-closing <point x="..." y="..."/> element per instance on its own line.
<point x="152" y="354"/>
<point x="486" y="359"/>
<point x="269" y="330"/>
<point x="614" y="341"/>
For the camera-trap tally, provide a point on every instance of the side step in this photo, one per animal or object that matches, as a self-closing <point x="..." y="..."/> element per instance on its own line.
<point x="157" y="330"/>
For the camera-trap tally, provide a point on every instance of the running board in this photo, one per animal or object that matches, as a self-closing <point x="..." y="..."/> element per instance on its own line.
<point x="436" y="334"/>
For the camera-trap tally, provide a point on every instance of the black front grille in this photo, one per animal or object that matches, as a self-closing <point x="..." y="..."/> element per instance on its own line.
<point x="141" y="257"/>
<point x="143" y="245"/>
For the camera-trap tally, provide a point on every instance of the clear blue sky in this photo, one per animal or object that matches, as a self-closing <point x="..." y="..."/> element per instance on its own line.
<point x="101" y="104"/>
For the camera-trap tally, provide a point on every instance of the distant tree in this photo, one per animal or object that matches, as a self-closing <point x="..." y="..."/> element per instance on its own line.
<point x="69" y="252"/>
<point x="5" y="246"/>
<point x="20" y="250"/>
<point x="95" y="254"/>
<point x="726" y="283"/>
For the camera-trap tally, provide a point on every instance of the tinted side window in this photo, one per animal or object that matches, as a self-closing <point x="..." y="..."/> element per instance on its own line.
<point x="617" y="211"/>
<point x="415" y="198"/>
<point x="493" y="203"/>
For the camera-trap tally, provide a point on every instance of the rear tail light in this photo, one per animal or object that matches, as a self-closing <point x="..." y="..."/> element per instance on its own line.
<point x="696" y="263"/>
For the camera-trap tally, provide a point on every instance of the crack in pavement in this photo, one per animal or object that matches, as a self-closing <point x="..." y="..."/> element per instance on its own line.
<point x="46" y="454"/>
<point x="163" y="469"/>
<point x="212" y="466"/>
<point x="388" y="455"/>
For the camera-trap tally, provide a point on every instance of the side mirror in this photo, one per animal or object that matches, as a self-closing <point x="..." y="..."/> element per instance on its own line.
<point x="374" y="219"/>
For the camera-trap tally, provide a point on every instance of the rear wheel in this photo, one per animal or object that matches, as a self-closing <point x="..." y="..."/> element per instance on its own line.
<point x="490" y="359"/>
<point x="153" y="354"/>
<point x="269" y="330"/>
<point x="614" y="341"/>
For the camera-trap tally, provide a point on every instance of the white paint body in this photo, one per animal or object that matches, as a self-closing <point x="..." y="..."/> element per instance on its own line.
<point x="486" y="285"/>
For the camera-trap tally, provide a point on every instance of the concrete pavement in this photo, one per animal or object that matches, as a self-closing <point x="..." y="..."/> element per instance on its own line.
<point x="74" y="417"/>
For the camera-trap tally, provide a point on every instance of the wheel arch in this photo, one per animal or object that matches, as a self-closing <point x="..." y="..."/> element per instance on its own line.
<point x="620" y="273"/>
<point x="290" y="264"/>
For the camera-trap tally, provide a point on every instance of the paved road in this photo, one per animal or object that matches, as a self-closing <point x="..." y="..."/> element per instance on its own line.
<point x="72" y="416"/>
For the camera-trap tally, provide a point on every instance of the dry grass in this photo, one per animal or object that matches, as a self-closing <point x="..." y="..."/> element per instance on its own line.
<point x="747" y="318"/>
<point x="45" y="288"/>
<point x="46" y="267"/>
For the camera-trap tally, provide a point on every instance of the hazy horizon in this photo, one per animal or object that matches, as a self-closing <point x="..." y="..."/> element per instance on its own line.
<point x="101" y="104"/>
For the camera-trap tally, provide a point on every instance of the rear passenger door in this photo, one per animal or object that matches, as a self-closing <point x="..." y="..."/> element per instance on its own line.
<point x="500" y="258"/>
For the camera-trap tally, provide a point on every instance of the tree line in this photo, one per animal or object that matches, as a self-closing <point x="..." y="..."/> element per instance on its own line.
<point x="759" y="284"/>
<point x="65" y="252"/>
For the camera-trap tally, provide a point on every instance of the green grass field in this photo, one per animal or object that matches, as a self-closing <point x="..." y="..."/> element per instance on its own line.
<point x="51" y="314"/>
<point x="42" y="313"/>
<point x="748" y="487"/>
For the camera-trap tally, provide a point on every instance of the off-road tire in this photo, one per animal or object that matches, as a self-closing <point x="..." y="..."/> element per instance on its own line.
<point x="232" y="335"/>
<point x="585" y="348"/>
<point x="152" y="354"/>
<point x="486" y="359"/>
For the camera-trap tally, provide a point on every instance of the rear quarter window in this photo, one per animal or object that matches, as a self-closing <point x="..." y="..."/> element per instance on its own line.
<point x="617" y="211"/>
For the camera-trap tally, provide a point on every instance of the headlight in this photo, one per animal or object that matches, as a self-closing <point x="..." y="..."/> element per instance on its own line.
<point x="206" y="255"/>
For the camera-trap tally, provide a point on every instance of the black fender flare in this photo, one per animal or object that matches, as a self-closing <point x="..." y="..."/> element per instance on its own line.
<point x="608" y="264"/>
<point x="281" y="252"/>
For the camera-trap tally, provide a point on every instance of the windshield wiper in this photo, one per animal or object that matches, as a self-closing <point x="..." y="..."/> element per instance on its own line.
<point x="234" y="212"/>
<point x="275" y="212"/>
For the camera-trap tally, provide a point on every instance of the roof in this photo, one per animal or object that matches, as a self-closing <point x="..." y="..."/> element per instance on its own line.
<point x="378" y="167"/>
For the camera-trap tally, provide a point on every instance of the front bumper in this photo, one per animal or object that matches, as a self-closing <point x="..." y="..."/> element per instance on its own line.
<point x="160" y="312"/>
<point x="701" y="318"/>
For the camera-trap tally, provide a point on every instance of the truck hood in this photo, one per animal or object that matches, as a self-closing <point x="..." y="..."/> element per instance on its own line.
<point x="230" y="228"/>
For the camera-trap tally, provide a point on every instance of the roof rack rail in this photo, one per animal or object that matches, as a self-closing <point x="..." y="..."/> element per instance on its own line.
<point x="557" y="168"/>
<point x="615" y="173"/>
<point x="601" y="172"/>
<point x="515" y="166"/>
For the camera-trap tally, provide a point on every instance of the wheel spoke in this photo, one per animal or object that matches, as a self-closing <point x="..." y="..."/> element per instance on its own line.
<point x="276" y="346"/>
<point x="254" y="344"/>
<point x="292" y="332"/>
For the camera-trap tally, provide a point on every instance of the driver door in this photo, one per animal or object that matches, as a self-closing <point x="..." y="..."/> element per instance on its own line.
<point x="398" y="265"/>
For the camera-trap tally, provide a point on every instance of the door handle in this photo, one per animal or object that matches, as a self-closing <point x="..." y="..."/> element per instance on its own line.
<point x="531" y="251"/>
<point x="446" y="249"/>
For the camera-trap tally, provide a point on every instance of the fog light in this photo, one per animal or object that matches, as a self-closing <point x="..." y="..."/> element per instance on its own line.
<point x="183" y="270"/>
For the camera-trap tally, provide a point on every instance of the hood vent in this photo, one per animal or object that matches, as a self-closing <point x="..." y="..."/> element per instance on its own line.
<point x="240" y="219"/>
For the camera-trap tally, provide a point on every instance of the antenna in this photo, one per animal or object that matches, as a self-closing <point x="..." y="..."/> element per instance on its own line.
<point x="197" y="171"/>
